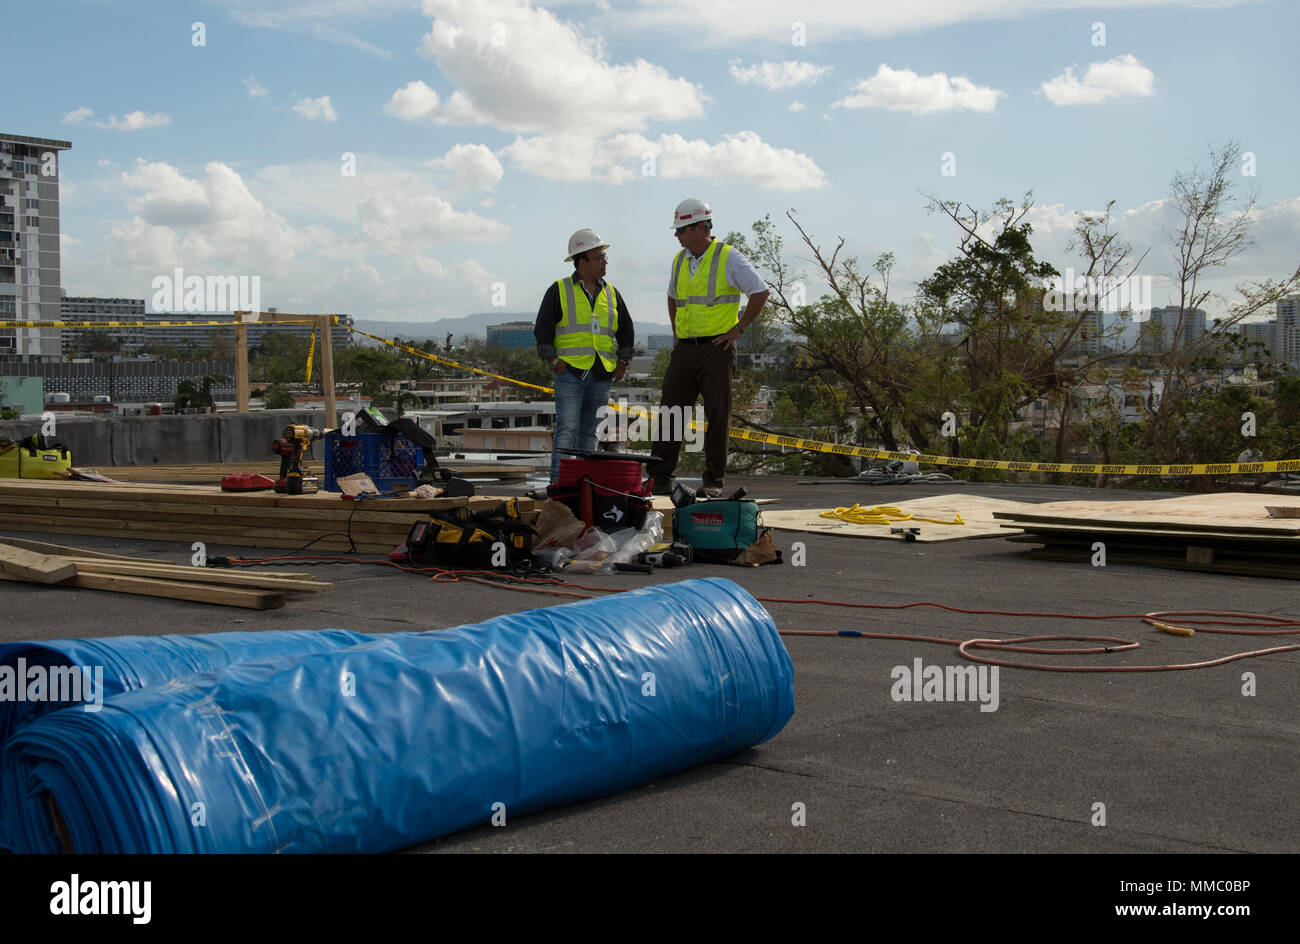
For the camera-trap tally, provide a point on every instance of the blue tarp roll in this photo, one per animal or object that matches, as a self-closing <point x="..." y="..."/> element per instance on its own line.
<point x="113" y="665"/>
<point x="410" y="736"/>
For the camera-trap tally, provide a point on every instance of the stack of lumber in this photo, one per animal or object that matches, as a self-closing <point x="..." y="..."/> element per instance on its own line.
<point x="55" y="565"/>
<point x="1229" y="533"/>
<point x="186" y="513"/>
<point x="211" y="472"/>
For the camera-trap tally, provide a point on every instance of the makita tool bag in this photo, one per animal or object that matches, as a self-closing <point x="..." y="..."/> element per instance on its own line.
<point x="717" y="530"/>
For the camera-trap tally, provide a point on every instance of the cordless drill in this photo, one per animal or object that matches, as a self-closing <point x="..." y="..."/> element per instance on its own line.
<point x="291" y="447"/>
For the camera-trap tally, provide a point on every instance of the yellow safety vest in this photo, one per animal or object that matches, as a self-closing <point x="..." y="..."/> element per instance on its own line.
<point x="707" y="304"/>
<point x="584" y="332"/>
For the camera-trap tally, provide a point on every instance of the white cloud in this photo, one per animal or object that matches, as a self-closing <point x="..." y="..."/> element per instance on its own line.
<point x="398" y="223"/>
<point x="308" y="17"/>
<point x="473" y="166"/>
<point x="1121" y="77"/>
<point x="312" y="108"/>
<point x="796" y="106"/>
<point x="334" y="35"/>
<point x="370" y="256"/>
<point x="414" y="101"/>
<point x="725" y="24"/>
<point x="133" y="121"/>
<point x="210" y="222"/>
<point x="77" y="116"/>
<point x="904" y="90"/>
<point x="255" y="88"/>
<point x="521" y="68"/>
<point x="744" y="157"/>
<point x="778" y="75"/>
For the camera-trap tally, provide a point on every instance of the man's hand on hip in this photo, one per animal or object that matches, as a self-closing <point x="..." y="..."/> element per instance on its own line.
<point x="557" y="365"/>
<point x="728" y="340"/>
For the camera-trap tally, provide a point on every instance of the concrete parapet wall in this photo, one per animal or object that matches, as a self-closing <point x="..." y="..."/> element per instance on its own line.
<point x="168" y="440"/>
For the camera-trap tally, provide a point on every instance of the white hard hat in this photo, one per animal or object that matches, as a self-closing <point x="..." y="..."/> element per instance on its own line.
<point x="583" y="240"/>
<point x="691" y="211"/>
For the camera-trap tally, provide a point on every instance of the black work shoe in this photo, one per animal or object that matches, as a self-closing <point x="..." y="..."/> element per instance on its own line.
<point x="658" y="488"/>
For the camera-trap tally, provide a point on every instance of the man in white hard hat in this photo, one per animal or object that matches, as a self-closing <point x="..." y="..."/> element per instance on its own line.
<point x="585" y="333"/>
<point x="704" y="288"/>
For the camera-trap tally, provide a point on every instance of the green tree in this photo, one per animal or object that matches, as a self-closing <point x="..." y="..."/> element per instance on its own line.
<point x="197" y="393"/>
<point x="276" y="397"/>
<point x="372" y="369"/>
<point x="992" y="294"/>
<point x="280" y="358"/>
<point x="95" y="341"/>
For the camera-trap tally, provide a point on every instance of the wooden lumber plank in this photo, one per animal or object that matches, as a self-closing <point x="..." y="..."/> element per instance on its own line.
<point x="38" y="568"/>
<point x="238" y="538"/>
<point x="204" y="494"/>
<point x="64" y="550"/>
<point x="204" y="575"/>
<point x="395" y="526"/>
<point x="211" y="472"/>
<point x="174" y="590"/>
<point x="357" y="513"/>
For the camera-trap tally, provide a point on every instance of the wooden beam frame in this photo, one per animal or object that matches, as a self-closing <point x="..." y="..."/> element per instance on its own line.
<point x="324" y="322"/>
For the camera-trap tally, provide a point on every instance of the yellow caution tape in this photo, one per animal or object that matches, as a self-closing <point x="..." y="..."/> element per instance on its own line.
<point x="882" y="514"/>
<point x="141" y="324"/>
<point x="449" y="363"/>
<point x="311" y="351"/>
<point x="789" y="442"/>
<point x="840" y="449"/>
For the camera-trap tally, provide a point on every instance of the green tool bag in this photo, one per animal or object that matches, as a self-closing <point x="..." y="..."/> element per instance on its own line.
<point x="717" y="530"/>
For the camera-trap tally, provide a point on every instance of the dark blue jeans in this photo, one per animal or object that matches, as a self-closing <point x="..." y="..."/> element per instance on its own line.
<point x="578" y="395"/>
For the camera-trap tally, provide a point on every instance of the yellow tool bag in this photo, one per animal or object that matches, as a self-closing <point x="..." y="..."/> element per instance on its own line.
<point x="34" y="457"/>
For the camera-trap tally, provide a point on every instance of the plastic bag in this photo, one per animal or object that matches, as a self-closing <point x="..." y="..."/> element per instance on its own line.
<point x="595" y="545"/>
<point x="553" y="557"/>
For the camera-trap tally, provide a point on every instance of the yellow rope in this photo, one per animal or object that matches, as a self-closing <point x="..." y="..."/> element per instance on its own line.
<point x="882" y="514"/>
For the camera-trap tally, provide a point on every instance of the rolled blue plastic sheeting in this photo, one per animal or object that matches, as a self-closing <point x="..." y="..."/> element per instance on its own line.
<point x="410" y="736"/>
<point x="83" y="673"/>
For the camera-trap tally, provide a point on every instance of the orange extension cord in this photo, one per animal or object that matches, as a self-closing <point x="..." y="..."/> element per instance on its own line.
<point x="1174" y="621"/>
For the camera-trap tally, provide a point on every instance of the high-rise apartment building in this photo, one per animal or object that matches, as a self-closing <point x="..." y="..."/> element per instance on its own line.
<point x="1288" y="328"/>
<point x="29" y="243"/>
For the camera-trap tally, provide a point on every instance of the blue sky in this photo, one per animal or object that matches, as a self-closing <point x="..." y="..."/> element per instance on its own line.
<point x="486" y="131"/>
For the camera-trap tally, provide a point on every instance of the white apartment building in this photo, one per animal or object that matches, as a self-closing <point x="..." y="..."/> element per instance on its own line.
<point x="29" y="243"/>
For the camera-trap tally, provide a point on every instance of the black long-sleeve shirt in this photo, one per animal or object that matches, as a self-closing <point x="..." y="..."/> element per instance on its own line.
<point x="551" y="313"/>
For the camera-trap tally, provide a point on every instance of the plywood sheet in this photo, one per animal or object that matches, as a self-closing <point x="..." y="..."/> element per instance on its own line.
<point x="1227" y="511"/>
<point x="976" y="510"/>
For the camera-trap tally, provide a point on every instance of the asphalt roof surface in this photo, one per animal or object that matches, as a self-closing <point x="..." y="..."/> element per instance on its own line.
<point x="1182" y="761"/>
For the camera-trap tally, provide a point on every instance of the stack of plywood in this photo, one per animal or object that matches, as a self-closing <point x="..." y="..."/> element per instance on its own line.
<point x="1228" y="533"/>
<point x="186" y="513"/>
<point x="54" y="565"/>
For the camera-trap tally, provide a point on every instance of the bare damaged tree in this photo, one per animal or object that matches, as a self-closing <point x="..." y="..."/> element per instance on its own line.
<point x="1214" y="228"/>
<point x="858" y="335"/>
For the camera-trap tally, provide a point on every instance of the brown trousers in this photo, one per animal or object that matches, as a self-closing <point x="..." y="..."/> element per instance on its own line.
<point x="697" y="370"/>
